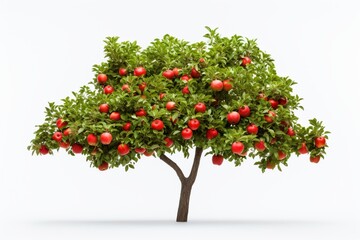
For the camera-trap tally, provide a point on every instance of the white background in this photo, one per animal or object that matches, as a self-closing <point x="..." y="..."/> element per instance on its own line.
<point x="47" y="50"/>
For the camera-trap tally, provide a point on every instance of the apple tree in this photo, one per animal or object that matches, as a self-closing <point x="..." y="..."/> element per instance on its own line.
<point x="222" y="96"/>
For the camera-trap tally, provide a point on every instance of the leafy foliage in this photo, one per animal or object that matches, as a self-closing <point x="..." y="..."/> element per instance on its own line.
<point x="254" y="83"/>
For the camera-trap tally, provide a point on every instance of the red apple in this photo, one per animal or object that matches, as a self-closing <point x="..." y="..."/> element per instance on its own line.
<point x="270" y="117"/>
<point x="281" y="155"/>
<point x="290" y="132"/>
<point x="217" y="159"/>
<point x="176" y="71"/>
<point x="186" y="133"/>
<point x="126" y="87"/>
<point x="283" y="101"/>
<point x="102" y="78"/>
<point x="106" y="138"/>
<point x="195" y="73"/>
<point x="170" y="106"/>
<point x="140" y="150"/>
<point x="185" y="90"/>
<point x="314" y="159"/>
<point x="244" y="111"/>
<point x="211" y="133"/>
<point x="67" y="132"/>
<point x="127" y="126"/>
<point x="123" y="149"/>
<point x="104" y="108"/>
<point x="320" y="142"/>
<point x="217" y="85"/>
<point x="270" y="164"/>
<point x="227" y="85"/>
<point x="148" y="154"/>
<point x="142" y="86"/>
<point x="65" y="145"/>
<point x="252" y="129"/>
<point x="115" y="116"/>
<point x="139" y="71"/>
<point x="260" y="146"/>
<point x="103" y="166"/>
<point x="43" y="150"/>
<point x="233" y="117"/>
<point x="245" y="61"/>
<point x="122" y="71"/>
<point x="274" y="104"/>
<point x="303" y="149"/>
<point x="108" y="89"/>
<point x="169" y="142"/>
<point x="194" y="124"/>
<point x="237" y="147"/>
<point x="200" y="107"/>
<point x="57" y="136"/>
<point x="60" y="123"/>
<point x="92" y="139"/>
<point x="157" y="125"/>
<point x="185" y="78"/>
<point x="77" y="148"/>
<point x="140" y="113"/>
<point x="169" y="74"/>
<point x="161" y="95"/>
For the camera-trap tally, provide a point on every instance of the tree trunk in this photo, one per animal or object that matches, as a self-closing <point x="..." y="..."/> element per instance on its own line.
<point x="186" y="183"/>
<point x="183" y="208"/>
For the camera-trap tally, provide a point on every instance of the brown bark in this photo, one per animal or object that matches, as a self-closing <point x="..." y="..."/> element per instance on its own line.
<point x="186" y="183"/>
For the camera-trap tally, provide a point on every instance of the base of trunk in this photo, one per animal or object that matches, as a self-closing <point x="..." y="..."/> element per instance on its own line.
<point x="183" y="209"/>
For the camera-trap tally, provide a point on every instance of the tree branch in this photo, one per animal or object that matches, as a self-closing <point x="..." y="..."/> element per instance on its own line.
<point x="174" y="166"/>
<point x="195" y="166"/>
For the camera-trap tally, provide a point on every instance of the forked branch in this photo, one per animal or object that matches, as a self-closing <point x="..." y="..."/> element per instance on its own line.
<point x="174" y="166"/>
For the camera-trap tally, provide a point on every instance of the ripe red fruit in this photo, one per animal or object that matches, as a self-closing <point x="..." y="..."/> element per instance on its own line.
<point x="283" y="101"/>
<point x="274" y="104"/>
<point x="185" y="90"/>
<point x="106" y="138"/>
<point x="201" y="60"/>
<point x="233" y="117"/>
<point x="77" y="148"/>
<point x="139" y="71"/>
<point x="244" y="111"/>
<point x="123" y="149"/>
<point x="169" y="74"/>
<point x="281" y="155"/>
<point x="102" y="78"/>
<point x="211" y="133"/>
<point x="200" y="107"/>
<point x="237" y="147"/>
<point x="67" y="132"/>
<point x="60" y="123"/>
<point x="217" y="159"/>
<point x="57" y="136"/>
<point x="64" y="144"/>
<point x="140" y="150"/>
<point x="170" y="106"/>
<point x="227" y="85"/>
<point x="115" y="116"/>
<point x="186" y="133"/>
<point x="162" y="95"/>
<point x="194" y="124"/>
<point x="314" y="159"/>
<point x="185" y="78"/>
<point x="270" y="117"/>
<point x="262" y="96"/>
<point x="320" y="142"/>
<point x="157" y="125"/>
<point x="140" y="113"/>
<point x="252" y="129"/>
<point x="303" y="149"/>
<point x="122" y="71"/>
<point x="260" y="146"/>
<point x="217" y="85"/>
<point x="176" y="71"/>
<point x="245" y="61"/>
<point x="43" y="150"/>
<point x="270" y="165"/>
<point x="169" y="142"/>
<point x="195" y="73"/>
<point x="92" y="139"/>
<point x="148" y="154"/>
<point x="108" y="89"/>
<point x="127" y="126"/>
<point x="290" y="132"/>
<point x="126" y="87"/>
<point x="142" y="86"/>
<point x="103" y="166"/>
<point x="104" y="108"/>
